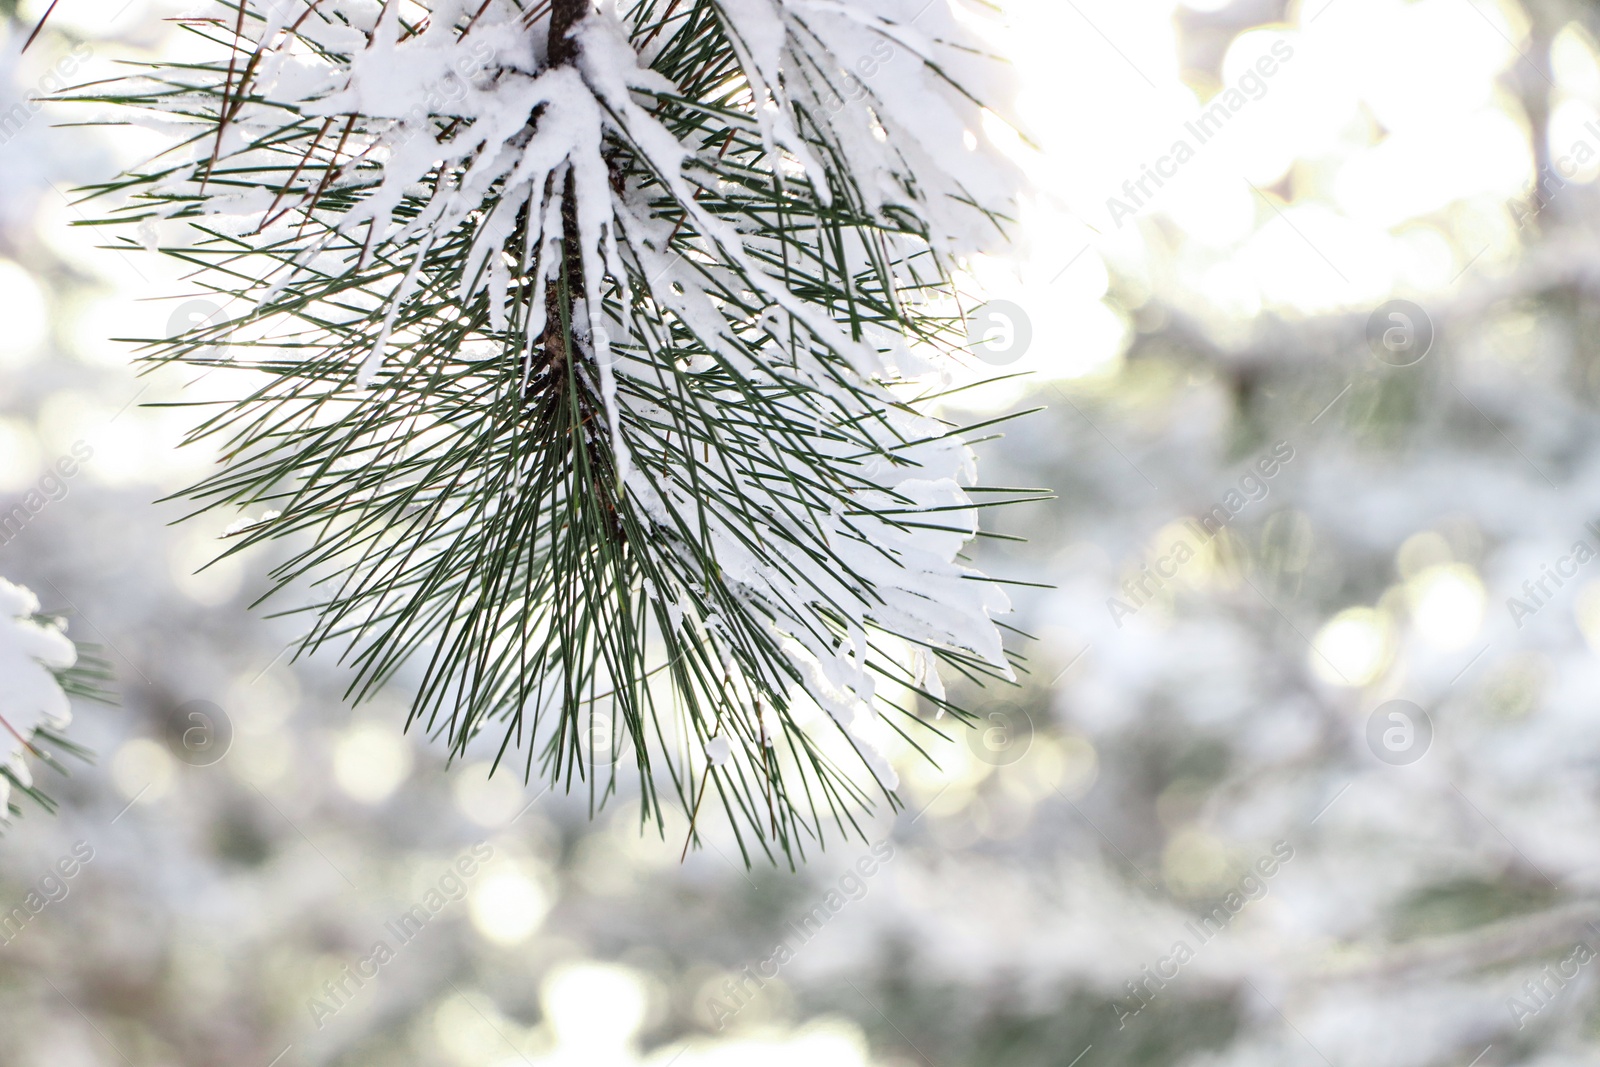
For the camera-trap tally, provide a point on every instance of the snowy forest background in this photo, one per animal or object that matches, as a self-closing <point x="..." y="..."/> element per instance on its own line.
<point x="1219" y="736"/>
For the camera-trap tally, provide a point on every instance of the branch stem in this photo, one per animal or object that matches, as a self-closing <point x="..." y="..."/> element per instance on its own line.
<point x="564" y="15"/>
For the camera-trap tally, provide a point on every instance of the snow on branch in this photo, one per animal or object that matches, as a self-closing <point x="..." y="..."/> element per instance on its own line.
<point x="34" y="652"/>
<point x="590" y="339"/>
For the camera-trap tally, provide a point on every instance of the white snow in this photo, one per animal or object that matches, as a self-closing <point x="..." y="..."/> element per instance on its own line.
<point x="30" y="698"/>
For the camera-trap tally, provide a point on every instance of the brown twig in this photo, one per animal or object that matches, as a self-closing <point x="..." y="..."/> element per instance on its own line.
<point x="660" y="25"/>
<point x="223" y="113"/>
<point x="327" y="176"/>
<point x="267" y="217"/>
<point x="564" y="15"/>
<point x="25" y="742"/>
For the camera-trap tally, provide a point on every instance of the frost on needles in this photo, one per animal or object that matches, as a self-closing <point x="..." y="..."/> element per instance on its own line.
<point x="592" y="351"/>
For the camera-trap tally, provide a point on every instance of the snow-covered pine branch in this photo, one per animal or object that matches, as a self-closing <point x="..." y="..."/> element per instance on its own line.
<point x="37" y="663"/>
<point x="592" y="353"/>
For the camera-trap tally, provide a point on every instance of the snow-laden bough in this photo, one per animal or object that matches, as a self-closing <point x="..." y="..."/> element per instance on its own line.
<point x="594" y="348"/>
<point x="33" y="654"/>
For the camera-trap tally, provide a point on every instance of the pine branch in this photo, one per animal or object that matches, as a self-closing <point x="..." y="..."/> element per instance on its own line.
<point x="591" y="377"/>
<point x="40" y="669"/>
